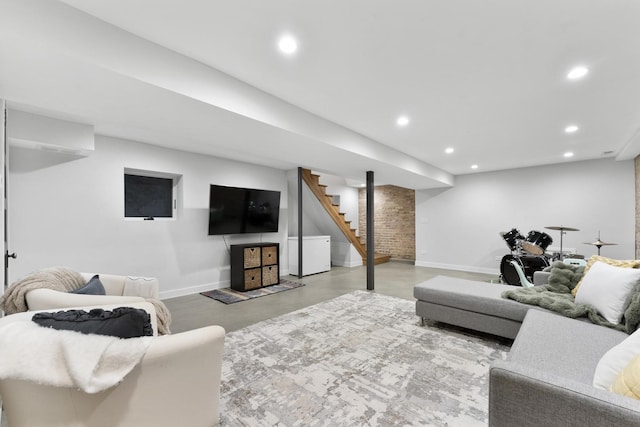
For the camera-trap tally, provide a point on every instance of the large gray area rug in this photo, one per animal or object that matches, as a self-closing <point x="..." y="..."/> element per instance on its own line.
<point x="361" y="359"/>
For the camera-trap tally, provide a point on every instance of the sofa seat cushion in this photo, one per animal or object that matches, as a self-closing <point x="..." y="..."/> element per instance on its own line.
<point x="470" y="295"/>
<point x="562" y="346"/>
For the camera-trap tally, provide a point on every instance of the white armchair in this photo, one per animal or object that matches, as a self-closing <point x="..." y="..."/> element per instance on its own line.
<point x="119" y="290"/>
<point x="176" y="383"/>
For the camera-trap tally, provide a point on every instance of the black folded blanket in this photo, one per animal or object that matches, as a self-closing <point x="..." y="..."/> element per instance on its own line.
<point x="123" y="322"/>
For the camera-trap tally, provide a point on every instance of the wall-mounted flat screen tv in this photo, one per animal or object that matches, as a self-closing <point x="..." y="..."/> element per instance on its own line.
<point x="234" y="210"/>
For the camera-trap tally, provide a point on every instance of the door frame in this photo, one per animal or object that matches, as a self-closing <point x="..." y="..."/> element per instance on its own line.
<point x="3" y="192"/>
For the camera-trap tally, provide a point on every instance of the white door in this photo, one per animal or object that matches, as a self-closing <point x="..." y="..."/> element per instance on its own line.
<point x="3" y="212"/>
<point x="3" y="184"/>
<point x="3" y="195"/>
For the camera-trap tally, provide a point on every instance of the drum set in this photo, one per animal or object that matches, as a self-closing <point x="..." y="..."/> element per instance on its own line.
<point x="527" y="252"/>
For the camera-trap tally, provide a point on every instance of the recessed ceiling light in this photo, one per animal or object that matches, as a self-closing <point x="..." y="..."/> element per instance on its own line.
<point x="402" y="121"/>
<point x="568" y="154"/>
<point x="287" y="45"/>
<point x="449" y="150"/>
<point x="577" y="72"/>
<point x="474" y="166"/>
<point x="571" y="129"/>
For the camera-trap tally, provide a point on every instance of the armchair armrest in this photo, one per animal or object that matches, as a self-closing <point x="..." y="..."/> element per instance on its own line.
<point x="176" y="383"/>
<point x="526" y="397"/>
<point x="47" y="299"/>
<point x="185" y="368"/>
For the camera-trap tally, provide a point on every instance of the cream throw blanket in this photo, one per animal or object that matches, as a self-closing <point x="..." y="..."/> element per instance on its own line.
<point x="59" y="358"/>
<point x="61" y="279"/>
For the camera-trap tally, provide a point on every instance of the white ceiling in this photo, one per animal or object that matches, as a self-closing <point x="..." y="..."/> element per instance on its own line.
<point x="484" y="77"/>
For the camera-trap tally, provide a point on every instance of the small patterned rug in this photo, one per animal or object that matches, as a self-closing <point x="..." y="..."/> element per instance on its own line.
<point x="361" y="359"/>
<point x="229" y="296"/>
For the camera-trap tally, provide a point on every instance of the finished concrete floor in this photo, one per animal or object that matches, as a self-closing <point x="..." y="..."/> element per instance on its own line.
<point x="393" y="278"/>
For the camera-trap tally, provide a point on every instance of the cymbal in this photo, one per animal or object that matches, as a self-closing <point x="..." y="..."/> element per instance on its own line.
<point x="599" y="243"/>
<point x="562" y="228"/>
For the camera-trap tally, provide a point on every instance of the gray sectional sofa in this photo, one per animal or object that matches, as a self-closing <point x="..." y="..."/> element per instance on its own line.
<point x="470" y="304"/>
<point x="547" y="378"/>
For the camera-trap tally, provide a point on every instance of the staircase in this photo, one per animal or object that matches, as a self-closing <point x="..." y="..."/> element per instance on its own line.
<point x="326" y="200"/>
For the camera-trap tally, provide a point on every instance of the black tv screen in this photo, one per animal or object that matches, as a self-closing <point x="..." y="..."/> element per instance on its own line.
<point x="149" y="197"/>
<point x="234" y="210"/>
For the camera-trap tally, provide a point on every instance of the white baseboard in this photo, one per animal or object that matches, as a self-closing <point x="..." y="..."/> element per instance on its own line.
<point x="348" y="264"/>
<point x="173" y="293"/>
<point x="469" y="269"/>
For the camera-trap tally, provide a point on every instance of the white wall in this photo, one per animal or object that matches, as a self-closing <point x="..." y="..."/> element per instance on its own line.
<point x="311" y="219"/>
<point x="459" y="227"/>
<point x="68" y="211"/>
<point x="348" y="196"/>
<point x="343" y="253"/>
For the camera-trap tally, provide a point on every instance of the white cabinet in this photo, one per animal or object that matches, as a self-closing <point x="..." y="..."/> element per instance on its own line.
<point x="316" y="254"/>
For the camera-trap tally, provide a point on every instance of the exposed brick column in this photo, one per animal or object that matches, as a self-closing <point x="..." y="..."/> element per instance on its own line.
<point x="395" y="221"/>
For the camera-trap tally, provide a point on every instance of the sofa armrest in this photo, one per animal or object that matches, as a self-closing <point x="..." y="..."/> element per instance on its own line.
<point x="47" y="299"/>
<point x="526" y="397"/>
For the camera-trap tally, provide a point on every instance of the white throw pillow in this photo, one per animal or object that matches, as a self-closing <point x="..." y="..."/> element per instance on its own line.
<point x="608" y="289"/>
<point x="615" y="360"/>
<point x="145" y="287"/>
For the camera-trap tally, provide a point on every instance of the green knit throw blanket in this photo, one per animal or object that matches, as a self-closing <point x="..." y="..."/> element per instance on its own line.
<point x="556" y="296"/>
